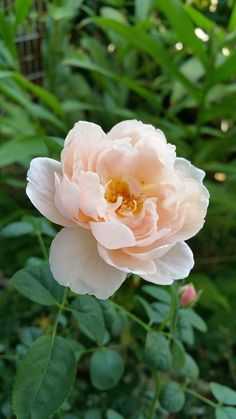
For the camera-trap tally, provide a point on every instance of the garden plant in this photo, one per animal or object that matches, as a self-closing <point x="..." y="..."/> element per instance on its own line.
<point x="109" y="158"/>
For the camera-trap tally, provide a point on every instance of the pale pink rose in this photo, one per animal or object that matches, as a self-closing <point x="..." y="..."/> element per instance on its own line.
<point x="188" y="295"/>
<point x="127" y="205"/>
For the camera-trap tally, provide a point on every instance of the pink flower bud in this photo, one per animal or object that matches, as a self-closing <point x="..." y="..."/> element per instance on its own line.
<point x="188" y="295"/>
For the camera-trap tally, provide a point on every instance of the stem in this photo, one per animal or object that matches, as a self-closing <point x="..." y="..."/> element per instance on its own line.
<point x="200" y="397"/>
<point x="61" y="307"/>
<point x="133" y="317"/>
<point x="153" y="406"/>
<point x="42" y="245"/>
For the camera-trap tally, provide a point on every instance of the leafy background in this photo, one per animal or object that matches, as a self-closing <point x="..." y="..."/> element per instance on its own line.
<point x="170" y="63"/>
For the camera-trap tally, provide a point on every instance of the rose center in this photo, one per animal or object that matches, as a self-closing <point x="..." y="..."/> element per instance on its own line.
<point x="130" y="202"/>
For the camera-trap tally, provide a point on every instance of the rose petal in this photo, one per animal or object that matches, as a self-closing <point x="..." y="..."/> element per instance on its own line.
<point x="127" y="263"/>
<point x="81" y="146"/>
<point x="41" y="189"/>
<point x="112" y="235"/>
<point x="75" y="263"/>
<point x="132" y="129"/>
<point x="147" y="254"/>
<point x="92" y="201"/>
<point x="67" y="197"/>
<point x="188" y="170"/>
<point x="175" y="264"/>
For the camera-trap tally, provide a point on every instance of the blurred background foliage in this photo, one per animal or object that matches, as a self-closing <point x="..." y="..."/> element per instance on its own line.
<point x="170" y="63"/>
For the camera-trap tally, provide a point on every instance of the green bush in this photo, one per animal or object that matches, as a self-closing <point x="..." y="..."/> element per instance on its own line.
<point x="170" y="63"/>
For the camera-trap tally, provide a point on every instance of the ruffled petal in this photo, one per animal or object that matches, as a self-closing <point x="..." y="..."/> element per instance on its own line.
<point x="92" y="201"/>
<point x="112" y="234"/>
<point x="175" y="264"/>
<point x="41" y="189"/>
<point x="75" y="263"/>
<point x="126" y="262"/>
<point x="67" y="197"/>
<point x="188" y="170"/>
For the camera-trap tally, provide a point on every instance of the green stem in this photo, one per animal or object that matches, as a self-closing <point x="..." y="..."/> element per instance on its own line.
<point x="132" y="316"/>
<point x="61" y="307"/>
<point x="200" y="397"/>
<point x="153" y="406"/>
<point x="42" y="245"/>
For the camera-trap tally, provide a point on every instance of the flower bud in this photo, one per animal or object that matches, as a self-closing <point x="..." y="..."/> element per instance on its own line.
<point x="188" y="295"/>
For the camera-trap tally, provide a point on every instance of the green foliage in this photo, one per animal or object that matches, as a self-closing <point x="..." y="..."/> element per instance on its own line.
<point x="106" y="61"/>
<point x="106" y="368"/>
<point x="172" y="397"/>
<point x="44" y="379"/>
<point x="37" y="284"/>
<point x="157" y="352"/>
<point x="88" y="313"/>
<point x="223" y="394"/>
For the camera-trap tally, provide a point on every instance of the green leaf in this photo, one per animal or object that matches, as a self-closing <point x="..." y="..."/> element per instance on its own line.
<point x="106" y="368"/>
<point x="157" y="352"/>
<point x="44" y="379"/>
<point x="151" y="46"/>
<point x="161" y="312"/>
<point x="22" y="148"/>
<point x="76" y="347"/>
<point x="225" y="413"/>
<point x="172" y="397"/>
<point x="190" y="369"/>
<point x="179" y="20"/>
<point x="17" y="229"/>
<point x="22" y="8"/>
<point x="203" y="22"/>
<point x="211" y="297"/>
<point x="157" y="292"/>
<point x="88" y="313"/>
<point x="112" y="317"/>
<point x="184" y="328"/>
<point x="223" y="394"/>
<point x="224" y="71"/>
<point x="232" y="20"/>
<point x="111" y="414"/>
<point x="195" y="320"/>
<point x="142" y="9"/>
<point x="147" y="308"/>
<point x="82" y="62"/>
<point x="37" y="284"/>
<point x="46" y="97"/>
<point x="178" y="354"/>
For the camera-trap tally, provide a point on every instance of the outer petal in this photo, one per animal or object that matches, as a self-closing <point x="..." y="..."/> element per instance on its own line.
<point x="75" y="263"/>
<point x="112" y="234"/>
<point x="193" y="209"/>
<point x="175" y="264"/>
<point x="41" y="189"/>
<point x="125" y="262"/>
<point x="188" y="170"/>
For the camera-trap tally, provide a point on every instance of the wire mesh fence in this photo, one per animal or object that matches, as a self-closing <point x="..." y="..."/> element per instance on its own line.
<point x="29" y="39"/>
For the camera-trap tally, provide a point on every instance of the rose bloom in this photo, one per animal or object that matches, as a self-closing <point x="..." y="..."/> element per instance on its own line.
<point x="126" y="203"/>
<point x="188" y="295"/>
